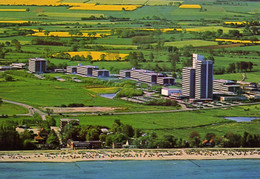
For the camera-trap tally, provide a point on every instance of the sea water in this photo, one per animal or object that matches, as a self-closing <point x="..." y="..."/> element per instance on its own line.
<point x="134" y="169"/>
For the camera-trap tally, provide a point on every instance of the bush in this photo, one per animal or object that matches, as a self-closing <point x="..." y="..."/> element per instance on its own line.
<point x="129" y="92"/>
<point x="162" y="102"/>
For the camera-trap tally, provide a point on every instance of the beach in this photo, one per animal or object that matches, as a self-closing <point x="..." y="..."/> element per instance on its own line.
<point x="128" y="154"/>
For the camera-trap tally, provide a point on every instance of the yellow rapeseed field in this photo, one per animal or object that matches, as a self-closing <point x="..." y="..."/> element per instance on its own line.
<point x="17" y="22"/>
<point x="190" y="6"/>
<point x="76" y="6"/>
<point x="237" y="41"/>
<point x="67" y="34"/>
<point x="12" y="10"/>
<point x="30" y="2"/>
<point x="109" y="56"/>
<point x="238" y="23"/>
<point x="106" y="7"/>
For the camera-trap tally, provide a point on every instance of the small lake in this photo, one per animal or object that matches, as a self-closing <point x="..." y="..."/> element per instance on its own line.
<point x="242" y="119"/>
<point x="109" y="96"/>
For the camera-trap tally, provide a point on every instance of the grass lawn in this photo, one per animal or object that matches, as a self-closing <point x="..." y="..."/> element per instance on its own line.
<point x="180" y="124"/>
<point x="44" y="93"/>
<point x="12" y="109"/>
<point x="194" y="43"/>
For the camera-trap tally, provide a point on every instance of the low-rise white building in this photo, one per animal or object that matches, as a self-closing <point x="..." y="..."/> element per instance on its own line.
<point x="169" y="91"/>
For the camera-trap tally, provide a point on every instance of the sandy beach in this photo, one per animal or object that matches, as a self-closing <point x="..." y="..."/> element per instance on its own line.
<point x="128" y="154"/>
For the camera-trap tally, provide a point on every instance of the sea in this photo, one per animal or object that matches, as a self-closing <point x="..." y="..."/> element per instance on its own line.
<point x="158" y="169"/>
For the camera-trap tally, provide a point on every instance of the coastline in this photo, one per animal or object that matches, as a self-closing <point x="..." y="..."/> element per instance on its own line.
<point x="57" y="156"/>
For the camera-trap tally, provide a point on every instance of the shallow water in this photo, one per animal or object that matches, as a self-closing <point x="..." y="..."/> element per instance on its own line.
<point x="242" y="119"/>
<point x="109" y="96"/>
<point x="135" y="169"/>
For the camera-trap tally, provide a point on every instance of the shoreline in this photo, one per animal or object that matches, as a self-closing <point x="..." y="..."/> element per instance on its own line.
<point x="64" y="156"/>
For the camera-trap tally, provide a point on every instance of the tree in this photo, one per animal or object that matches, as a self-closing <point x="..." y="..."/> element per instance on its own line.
<point x="9" y="78"/>
<point x="234" y="140"/>
<point x="17" y="45"/>
<point x="210" y="136"/>
<point x="231" y="68"/>
<point x="93" y="134"/>
<point x="51" y="121"/>
<point x="46" y="33"/>
<point x="102" y="57"/>
<point x="49" y="111"/>
<point x="151" y="57"/>
<point x="195" y="138"/>
<point x="89" y="58"/>
<point x="53" y="139"/>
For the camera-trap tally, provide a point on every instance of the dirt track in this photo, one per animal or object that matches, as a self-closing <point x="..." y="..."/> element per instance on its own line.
<point x="80" y="109"/>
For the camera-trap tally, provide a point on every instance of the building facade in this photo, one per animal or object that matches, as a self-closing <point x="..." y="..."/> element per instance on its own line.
<point x="37" y="65"/>
<point x="188" y="82"/>
<point x="72" y="69"/>
<point x="147" y="76"/>
<point x="197" y="81"/>
<point x="86" y="70"/>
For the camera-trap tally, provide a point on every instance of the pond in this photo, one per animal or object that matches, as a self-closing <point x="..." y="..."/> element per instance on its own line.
<point x="242" y="119"/>
<point x="110" y="96"/>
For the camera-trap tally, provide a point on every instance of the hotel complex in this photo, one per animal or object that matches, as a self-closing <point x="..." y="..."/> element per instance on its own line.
<point x="197" y="81"/>
<point x="37" y="65"/>
<point x="147" y="76"/>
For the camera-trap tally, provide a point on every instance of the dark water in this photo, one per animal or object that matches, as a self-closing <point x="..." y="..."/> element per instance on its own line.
<point x="135" y="169"/>
<point x="242" y="119"/>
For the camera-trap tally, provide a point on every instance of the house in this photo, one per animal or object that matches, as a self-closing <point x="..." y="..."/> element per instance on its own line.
<point x="64" y="122"/>
<point x="84" y="144"/>
<point x="208" y="143"/>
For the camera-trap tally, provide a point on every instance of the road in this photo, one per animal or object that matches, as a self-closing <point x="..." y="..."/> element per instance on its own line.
<point x="31" y="109"/>
<point x="43" y="115"/>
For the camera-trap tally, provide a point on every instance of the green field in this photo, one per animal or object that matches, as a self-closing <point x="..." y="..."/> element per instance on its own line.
<point x="44" y="93"/>
<point x="12" y="109"/>
<point x="180" y="124"/>
<point x="194" y="43"/>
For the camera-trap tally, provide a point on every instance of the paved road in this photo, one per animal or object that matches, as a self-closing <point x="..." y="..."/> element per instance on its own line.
<point x="31" y="109"/>
<point x="164" y="111"/>
<point x="34" y="110"/>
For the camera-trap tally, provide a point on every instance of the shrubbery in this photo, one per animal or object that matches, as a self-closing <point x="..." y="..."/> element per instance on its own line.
<point x="129" y="92"/>
<point x="162" y="102"/>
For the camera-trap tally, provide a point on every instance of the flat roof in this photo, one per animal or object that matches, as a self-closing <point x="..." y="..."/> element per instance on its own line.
<point x="37" y="59"/>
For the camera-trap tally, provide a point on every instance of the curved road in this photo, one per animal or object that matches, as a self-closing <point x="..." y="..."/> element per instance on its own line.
<point x="31" y="109"/>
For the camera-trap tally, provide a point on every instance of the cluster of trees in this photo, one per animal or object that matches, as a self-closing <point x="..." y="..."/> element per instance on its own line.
<point x="10" y="139"/>
<point x="6" y="77"/>
<point x="134" y="58"/>
<point x="73" y="105"/>
<point x="169" y="141"/>
<point x="119" y="133"/>
<point x="235" y="67"/>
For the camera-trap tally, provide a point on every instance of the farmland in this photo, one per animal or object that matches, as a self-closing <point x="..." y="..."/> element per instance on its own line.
<point x="104" y="33"/>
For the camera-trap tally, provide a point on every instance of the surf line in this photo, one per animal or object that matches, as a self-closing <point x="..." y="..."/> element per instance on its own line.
<point x="194" y="163"/>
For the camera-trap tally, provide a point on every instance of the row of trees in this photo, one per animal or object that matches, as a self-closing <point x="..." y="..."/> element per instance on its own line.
<point x="235" y="67"/>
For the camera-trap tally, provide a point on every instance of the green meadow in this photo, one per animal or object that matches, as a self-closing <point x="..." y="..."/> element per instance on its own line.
<point x="180" y="124"/>
<point x="12" y="109"/>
